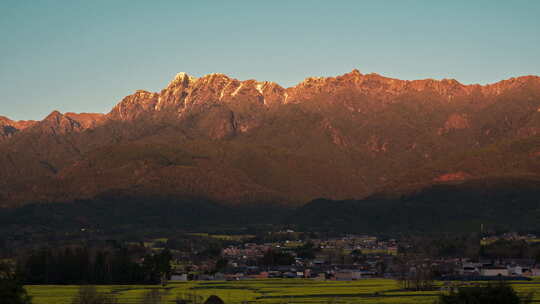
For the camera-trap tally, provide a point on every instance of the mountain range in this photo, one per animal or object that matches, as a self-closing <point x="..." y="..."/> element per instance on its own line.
<point x="249" y="142"/>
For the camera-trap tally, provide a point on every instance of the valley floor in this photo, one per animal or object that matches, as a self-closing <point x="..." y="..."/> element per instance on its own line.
<point x="267" y="291"/>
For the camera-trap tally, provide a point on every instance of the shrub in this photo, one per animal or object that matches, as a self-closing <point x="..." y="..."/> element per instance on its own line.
<point x="499" y="293"/>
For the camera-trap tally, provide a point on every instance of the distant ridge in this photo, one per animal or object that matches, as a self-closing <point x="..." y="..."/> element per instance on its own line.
<point x="246" y="142"/>
<point x="229" y="87"/>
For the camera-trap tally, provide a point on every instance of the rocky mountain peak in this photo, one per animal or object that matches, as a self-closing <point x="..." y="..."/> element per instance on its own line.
<point x="54" y="115"/>
<point x="87" y="120"/>
<point x="183" y="79"/>
<point x="9" y="127"/>
<point x="355" y="72"/>
<point x="180" y="81"/>
<point x="185" y="91"/>
<point x="6" y="128"/>
<point x="511" y="83"/>
<point x="57" y="123"/>
<point x="134" y="105"/>
<point x="5" y="121"/>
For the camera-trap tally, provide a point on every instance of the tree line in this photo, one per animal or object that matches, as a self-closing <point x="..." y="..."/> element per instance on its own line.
<point x="82" y="265"/>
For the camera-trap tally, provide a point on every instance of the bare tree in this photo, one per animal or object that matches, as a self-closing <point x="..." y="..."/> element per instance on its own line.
<point x="153" y="296"/>
<point x="89" y="294"/>
<point x="422" y="277"/>
<point x="414" y="274"/>
<point x="189" y="298"/>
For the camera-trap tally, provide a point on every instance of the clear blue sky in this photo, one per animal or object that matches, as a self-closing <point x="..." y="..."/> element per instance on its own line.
<point x="84" y="56"/>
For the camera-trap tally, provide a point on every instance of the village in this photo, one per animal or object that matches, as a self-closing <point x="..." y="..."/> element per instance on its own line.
<point x="213" y="263"/>
<point x="287" y="254"/>
<point x="346" y="258"/>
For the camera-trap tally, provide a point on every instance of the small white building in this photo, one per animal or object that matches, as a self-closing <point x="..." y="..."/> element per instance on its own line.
<point x="494" y="271"/>
<point x="179" y="277"/>
<point x="348" y="275"/>
<point x="516" y="270"/>
<point x="470" y="268"/>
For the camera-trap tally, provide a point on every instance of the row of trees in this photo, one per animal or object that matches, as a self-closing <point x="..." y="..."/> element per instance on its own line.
<point x="469" y="246"/>
<point x="89" y="294"/>
<point x="498" y="293"/>
<point x="12" y="291"/>
<point x="84" y="266"/>
<point x="416" y="275"/>
<point x="511" y="249"/>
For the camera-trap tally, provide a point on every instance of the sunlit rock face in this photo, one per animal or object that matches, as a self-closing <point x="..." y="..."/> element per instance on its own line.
<point x="8" y="127"/>
<point x="134" y="106"/>
<point x="243" y="141"/>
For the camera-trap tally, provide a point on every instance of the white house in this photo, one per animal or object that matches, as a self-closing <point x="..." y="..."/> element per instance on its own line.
<point x="516" y="270"/>
<point x="178" y="277"/>
<point x="348" y="275"/>
<point x="494" y="271"/>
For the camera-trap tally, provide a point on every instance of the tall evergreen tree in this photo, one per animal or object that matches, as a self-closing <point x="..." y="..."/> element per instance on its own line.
<point x="11" y="288"/>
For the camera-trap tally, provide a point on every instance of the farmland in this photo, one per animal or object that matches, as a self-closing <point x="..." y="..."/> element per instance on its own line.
<point x="267" y="291"/>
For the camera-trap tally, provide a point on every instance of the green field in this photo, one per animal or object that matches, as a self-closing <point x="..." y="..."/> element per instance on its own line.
<point x="268" y="291"/>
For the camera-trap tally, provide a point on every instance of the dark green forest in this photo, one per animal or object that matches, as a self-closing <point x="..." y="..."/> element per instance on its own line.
<point x="497" y="205"/>
<point x="83" y="265"/>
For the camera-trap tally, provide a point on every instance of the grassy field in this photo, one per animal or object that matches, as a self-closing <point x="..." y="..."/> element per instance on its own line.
<point x="268" y="291"/>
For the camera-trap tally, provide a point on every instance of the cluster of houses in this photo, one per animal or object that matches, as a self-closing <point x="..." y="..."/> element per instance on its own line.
<point x="339" y="273"/>
<point x="501" y="268"/>
<point x="346" y="258"/>
<point x="454" y="269"/>
<point x="333" y="259"/>
<point x="363" y="244"/>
